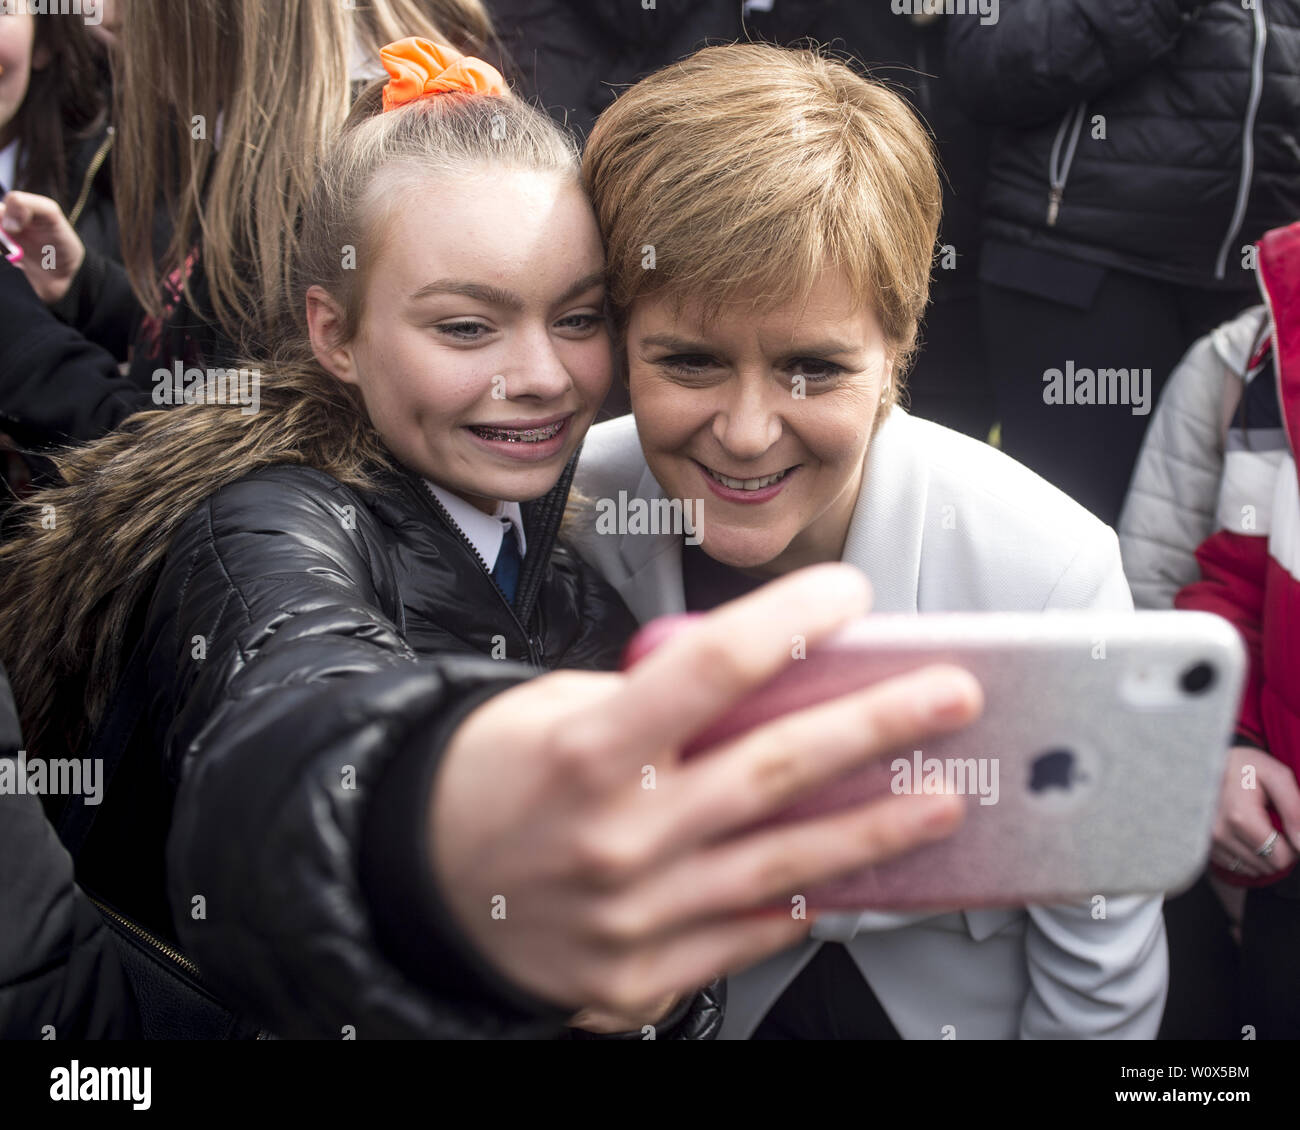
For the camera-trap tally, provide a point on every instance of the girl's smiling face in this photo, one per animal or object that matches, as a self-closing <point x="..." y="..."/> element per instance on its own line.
<point x="482" y="353"/>
<point x="765" y="416"/>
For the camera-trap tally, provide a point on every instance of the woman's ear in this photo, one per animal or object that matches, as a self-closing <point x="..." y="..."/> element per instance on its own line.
<point x="325" y="321"/>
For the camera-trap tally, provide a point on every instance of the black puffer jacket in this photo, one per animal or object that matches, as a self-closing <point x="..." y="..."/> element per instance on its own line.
<point x="575" y="56"/>
<point x="1201" y="153"/>
<point x="309" y="650"/>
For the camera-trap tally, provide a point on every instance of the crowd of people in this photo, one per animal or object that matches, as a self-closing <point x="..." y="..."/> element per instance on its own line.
<point x="327" y="332"/>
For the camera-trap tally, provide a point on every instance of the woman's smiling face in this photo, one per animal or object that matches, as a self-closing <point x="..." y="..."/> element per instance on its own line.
<point x="764" y="415"/>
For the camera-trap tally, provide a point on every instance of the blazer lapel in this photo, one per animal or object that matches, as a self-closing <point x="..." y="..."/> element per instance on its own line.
<point x="888" y="526"/>
<point x="653" y="584"/>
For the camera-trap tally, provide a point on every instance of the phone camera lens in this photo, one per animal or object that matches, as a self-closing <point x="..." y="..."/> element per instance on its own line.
<point x="1198" y="678"/>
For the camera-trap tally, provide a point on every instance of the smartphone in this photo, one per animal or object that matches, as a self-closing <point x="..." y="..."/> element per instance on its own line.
<point x="1094" y="769"/>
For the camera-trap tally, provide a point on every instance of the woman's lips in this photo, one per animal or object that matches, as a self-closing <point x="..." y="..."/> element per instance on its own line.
<point x="527" y="442"/>
<point x="751" y="490"/>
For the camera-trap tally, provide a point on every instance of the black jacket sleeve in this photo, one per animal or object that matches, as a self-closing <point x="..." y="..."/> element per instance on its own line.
<point x="304" y="740"/>
<point x="55" y="386"/>
<point x="1042" y="56"/>
<point x="100" y="304"/>
<point x="60" y="975"/>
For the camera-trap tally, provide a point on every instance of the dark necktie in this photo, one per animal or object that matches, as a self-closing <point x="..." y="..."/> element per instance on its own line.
<point x="506" y="571"/>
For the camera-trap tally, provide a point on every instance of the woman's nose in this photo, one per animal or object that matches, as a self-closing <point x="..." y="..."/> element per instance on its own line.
<point x="748" y="424"/>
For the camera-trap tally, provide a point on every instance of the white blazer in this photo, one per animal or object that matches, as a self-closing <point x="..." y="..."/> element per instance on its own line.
<point x="942" y="523"/>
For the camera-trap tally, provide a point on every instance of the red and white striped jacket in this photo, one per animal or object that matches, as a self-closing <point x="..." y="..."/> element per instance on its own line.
<point x="1250" y="565"/>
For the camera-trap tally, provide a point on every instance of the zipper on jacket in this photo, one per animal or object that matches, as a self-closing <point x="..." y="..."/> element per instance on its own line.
<point x="1058" y="171"/>
<point x="174" y="956"/>
<point x="93" y="168"/>
<point x="1247" y="141"/>
<point x="534" y="645"/>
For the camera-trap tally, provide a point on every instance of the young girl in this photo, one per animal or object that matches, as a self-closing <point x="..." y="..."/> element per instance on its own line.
<point x="343" y="810"/>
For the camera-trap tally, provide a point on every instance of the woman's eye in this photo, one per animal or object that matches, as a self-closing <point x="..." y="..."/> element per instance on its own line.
<point x="814" y="369"/>
<point x="463" y="331"/>
<point x="686" y="362"/>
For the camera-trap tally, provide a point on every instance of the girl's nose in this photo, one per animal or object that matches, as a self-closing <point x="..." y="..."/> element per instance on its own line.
<point x="538" y="372"/>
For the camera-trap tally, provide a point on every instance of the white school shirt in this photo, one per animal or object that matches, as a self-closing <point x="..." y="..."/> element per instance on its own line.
<point x="485" y="531"/>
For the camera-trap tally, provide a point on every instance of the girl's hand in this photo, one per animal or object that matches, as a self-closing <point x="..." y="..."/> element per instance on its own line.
<point x="1242" y="825"/>
<point x="596" y="870"/>
<point x="52" y="249"/>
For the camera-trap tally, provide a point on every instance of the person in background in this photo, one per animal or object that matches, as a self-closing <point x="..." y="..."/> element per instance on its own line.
<point x="1250" y="574"/>
<point x="211" y="166"/>
<point x="1142" y="147"/>
<point x="1168" y="512"/>
<point x="55" y="139"/>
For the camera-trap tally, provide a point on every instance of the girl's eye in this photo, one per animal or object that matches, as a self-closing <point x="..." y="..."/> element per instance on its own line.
<point x="463" y="331"/>
<point x="815" y="369"/>
<point x="581" y="322"/>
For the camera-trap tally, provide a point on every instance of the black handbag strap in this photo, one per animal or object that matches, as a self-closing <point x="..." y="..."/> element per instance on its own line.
<point x="111" y="740"/>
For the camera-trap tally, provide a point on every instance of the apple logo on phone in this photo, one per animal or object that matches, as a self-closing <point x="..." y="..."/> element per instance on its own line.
<point x="1055" y="769"/>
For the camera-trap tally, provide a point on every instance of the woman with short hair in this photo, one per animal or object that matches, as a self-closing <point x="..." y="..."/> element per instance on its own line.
<point x="770" y="220"/>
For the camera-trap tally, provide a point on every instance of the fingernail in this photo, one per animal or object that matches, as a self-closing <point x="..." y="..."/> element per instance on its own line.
<point x="943" y="698"/>
<point x="936" y="812"/>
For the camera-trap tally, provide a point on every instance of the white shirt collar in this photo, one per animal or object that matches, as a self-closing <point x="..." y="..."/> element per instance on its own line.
<point x="485" y="531"/>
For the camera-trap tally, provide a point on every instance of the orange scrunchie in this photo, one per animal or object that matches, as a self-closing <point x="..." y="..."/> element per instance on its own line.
<point x="417" y="67"/>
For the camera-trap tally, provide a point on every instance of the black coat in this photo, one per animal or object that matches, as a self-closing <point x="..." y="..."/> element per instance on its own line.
<point x="1201" y="108"/>
<point x="56" y="386"/>
<point x="309" y="650"/>
<point x="60" y="974"/>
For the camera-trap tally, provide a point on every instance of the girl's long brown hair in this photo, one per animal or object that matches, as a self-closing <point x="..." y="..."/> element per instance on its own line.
<point x="84" y="554"/>
<point x="274" y="76"/>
